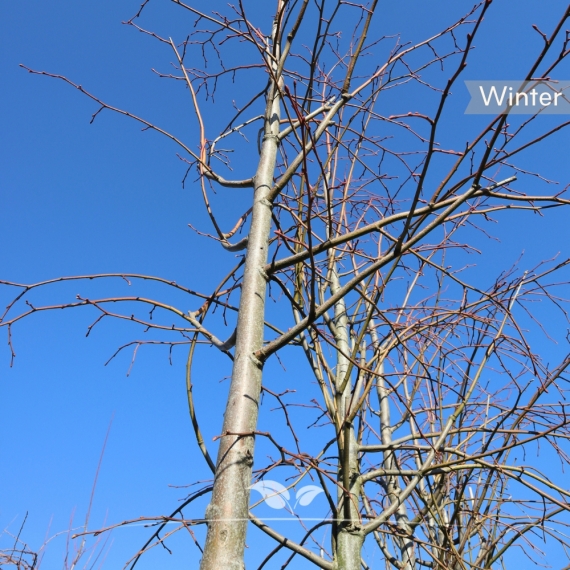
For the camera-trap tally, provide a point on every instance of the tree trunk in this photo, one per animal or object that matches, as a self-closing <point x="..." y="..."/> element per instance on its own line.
<point x="404" y="541"/>
<point x="227" y="513"/>
<point x="349" y="536"/>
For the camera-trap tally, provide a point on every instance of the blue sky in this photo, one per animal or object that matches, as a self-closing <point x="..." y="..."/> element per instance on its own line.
<point x="78" y="199"/>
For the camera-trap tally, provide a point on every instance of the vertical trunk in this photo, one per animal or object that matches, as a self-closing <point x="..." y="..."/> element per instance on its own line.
<point x="404" y="541"/>
<point x="227" y="513"/>
<point x="349" y="536"/>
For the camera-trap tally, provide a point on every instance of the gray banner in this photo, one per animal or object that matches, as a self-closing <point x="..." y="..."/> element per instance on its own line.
<point x="518" y="97"/>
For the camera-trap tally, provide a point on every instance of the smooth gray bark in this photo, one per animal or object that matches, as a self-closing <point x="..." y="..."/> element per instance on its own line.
<point x="349" y="537"/>
<point x="227" y="513"/>
<point x="404" y="541"/>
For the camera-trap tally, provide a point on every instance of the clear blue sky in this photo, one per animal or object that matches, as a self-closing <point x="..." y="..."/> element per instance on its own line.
<point x="77" y="198"/>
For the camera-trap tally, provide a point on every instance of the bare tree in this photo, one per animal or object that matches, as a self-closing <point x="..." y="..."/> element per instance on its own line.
<point x="426" y="384"/>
